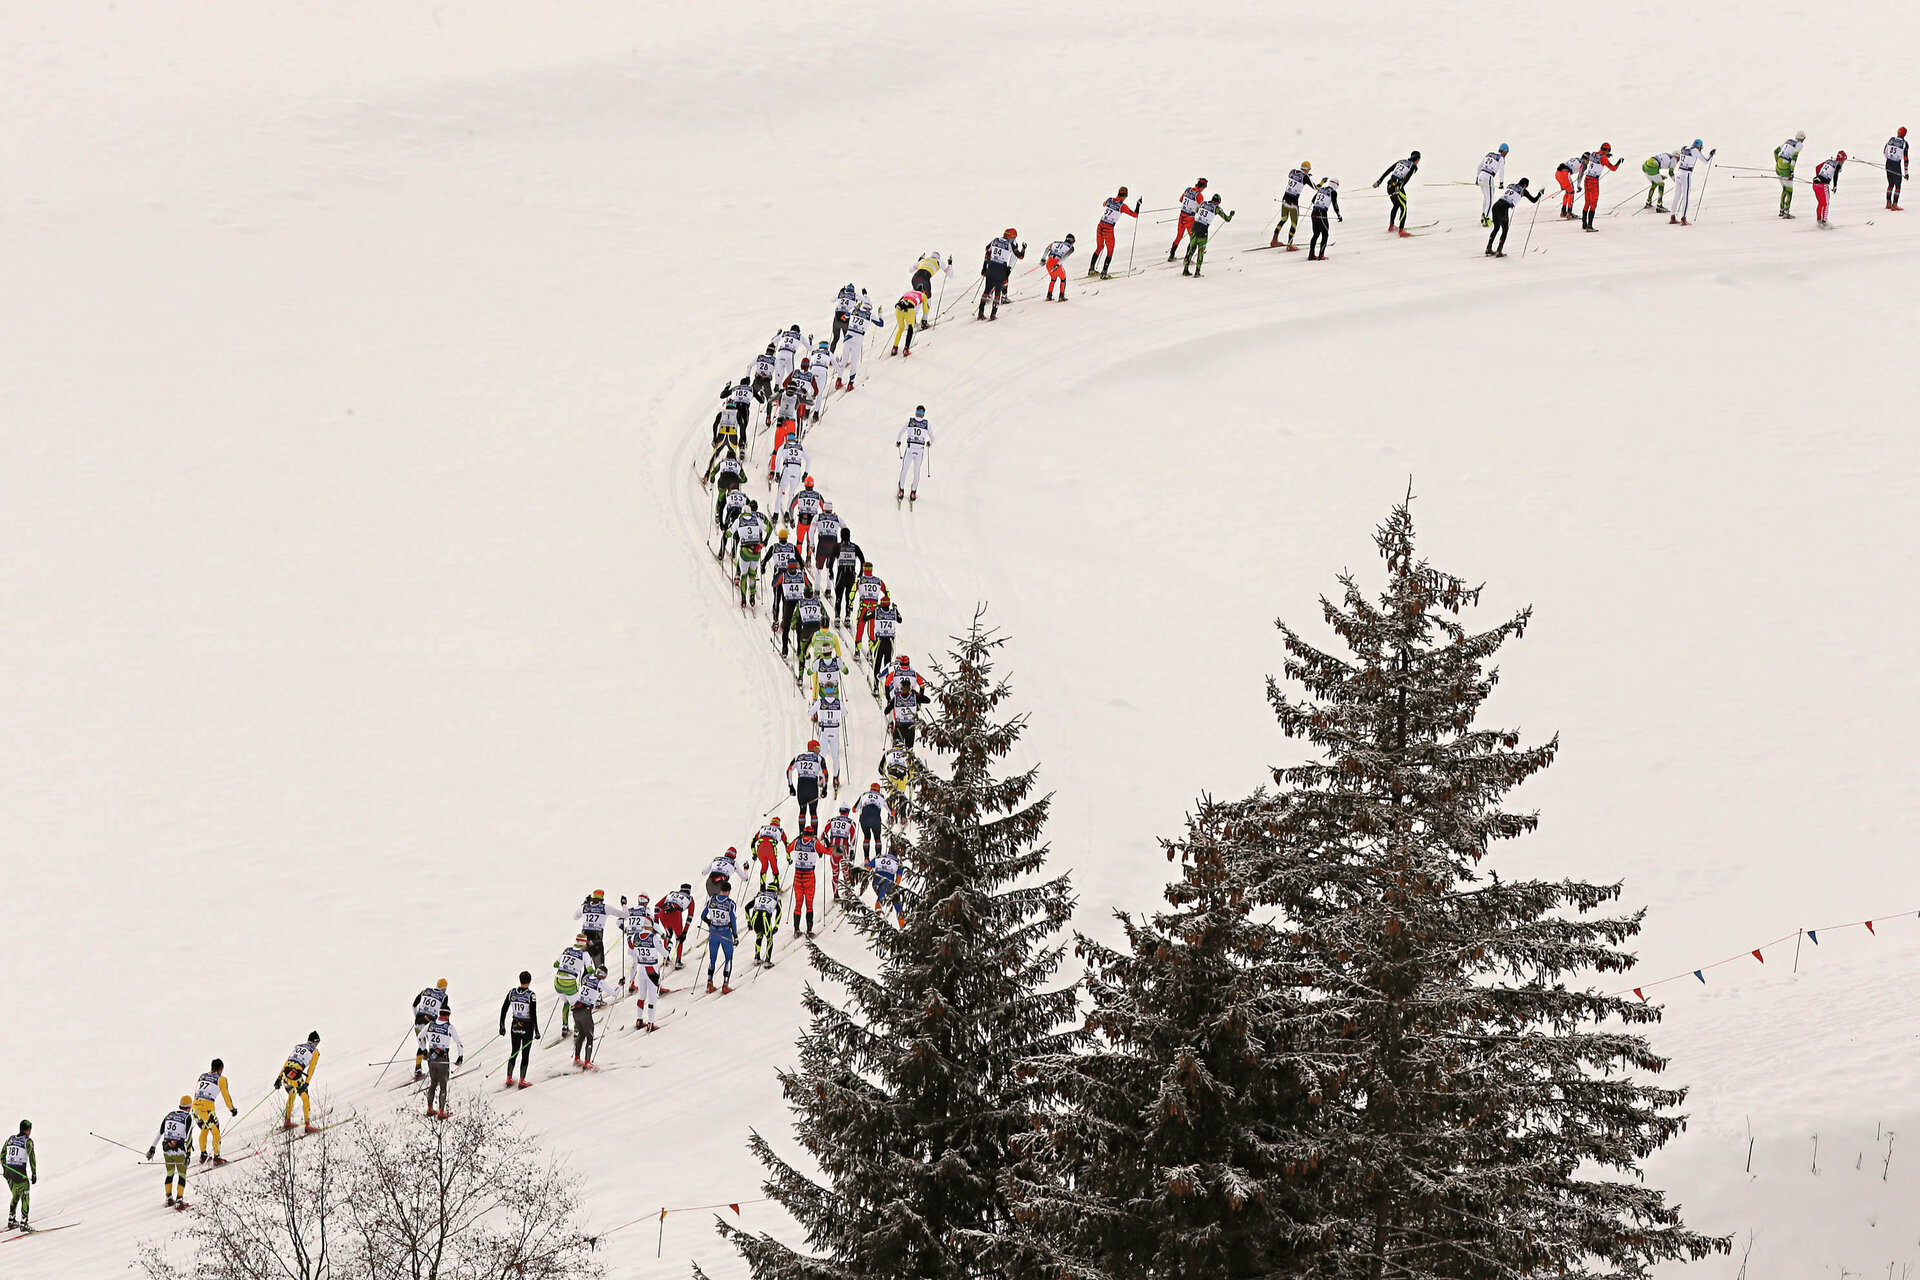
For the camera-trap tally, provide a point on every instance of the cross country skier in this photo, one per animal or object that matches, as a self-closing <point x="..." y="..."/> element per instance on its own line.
<point x="442" y="1040"/>
<point x="1598" y="162"/>
<point x="868" y="591"/>
<point x="901" y="674"/>
<point x="763" y="917"/>
<point x="763" y="380"/>
<point x="828" y="666"/>
<point x="592" y="915"/>
<point x="903" y="311"/>
<point x="175" y="1143"/>
<point x="1658" y="169"/>
<point x="1503" y="215"/>
<point x="591" y="996"/>
<point x="746" y="567"/>
<point x="426" y="1006"/>
<point x="800" y="512"/>
<point x="1298" y="180"/>
<point x="1203" y="219"/>
<point x="635" y="921"/>
<point x="729" y="473"/>
<point x="1110" y="214"/>
<point x="806" y="779"/>
<point x="854" y="344"/>
<point x="847" y="561"/>
<point x="730" y="508"/>
<point x="809" y="619"/>
<point x="209" y="1091"/>
<point x="296" y="1077"/>
<point x="896" y="769"/>
<point x="804" y="858"/>
<point x="650" y="955"/>
<point x="826" y="541"/>
<point x="1568" y="174"/>
<point x="793" y="464"/>
<point x="1397" y="176"/>
<point x="1190" y="202"/>
<point x="996" y="267"/>
<point x="1826" y="178"/>
<point x="902" y="711"/>
<point x="913" y="442"/>
<point x="1057" y="252"/>
<point x="22" y="1167"/>
<point x="886" y="885"/>
<point x="1493" y="172"/>
<point x="1784" y="157"/>
<point x="722" y="933"/>
<point x="843" y="304"/>
<point x="1897" y="170"/>
<point x="886" y="625"/>
<point x="675" y="914"/>
<point x="1690" y="158"/>
<point x="923" y="270"/>
<point x="828" y="714"/>
<point x="722" y="870"/>
<point x="1325" y="199"/>
<point x="838" y="837"/>
<point x="573" y="965"/>
<point x="871" y="810"/>
<point x="787" y="348"/>
<point x="769" y="842"/>
<point x="523" y="1006"/>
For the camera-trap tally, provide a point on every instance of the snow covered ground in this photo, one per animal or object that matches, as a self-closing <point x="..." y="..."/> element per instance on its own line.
<point x="355" y="625"/>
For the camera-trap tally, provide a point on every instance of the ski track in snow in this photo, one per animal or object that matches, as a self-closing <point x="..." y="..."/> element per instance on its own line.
<point x="259" y="239"/>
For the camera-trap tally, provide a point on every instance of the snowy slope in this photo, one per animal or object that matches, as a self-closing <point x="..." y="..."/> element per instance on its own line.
<point x="355" y="628"/>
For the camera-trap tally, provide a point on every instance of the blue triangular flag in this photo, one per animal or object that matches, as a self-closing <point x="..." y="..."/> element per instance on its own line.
<point x="1814" y="936"/>
<point x="1700" y="975"/>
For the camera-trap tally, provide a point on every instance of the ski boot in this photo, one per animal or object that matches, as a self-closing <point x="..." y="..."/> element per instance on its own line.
<point x="218" y="1161"/>
<point x="169" y="1199"/>
<point x="525" y="1083"/>
<point x="204" y="1157"/>
<point x="311" y="1127"/>
<point x="1274" y="243"/>
<point x="710" y="987"/>
<point x="726" y="988"/>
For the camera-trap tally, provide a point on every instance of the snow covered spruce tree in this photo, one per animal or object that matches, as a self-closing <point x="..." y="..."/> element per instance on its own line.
<point x="909" y="1098"/>
<point x="1177" y="1145"/>
<point x="1482" y="1102"/>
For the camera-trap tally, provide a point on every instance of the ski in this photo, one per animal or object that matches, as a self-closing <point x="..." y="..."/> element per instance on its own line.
<point x="23" y="1232"/>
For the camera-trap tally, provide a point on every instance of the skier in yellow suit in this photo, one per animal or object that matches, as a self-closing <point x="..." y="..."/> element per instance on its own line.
<point x="296" y="1075"/>
<point x="208" y="1092"/>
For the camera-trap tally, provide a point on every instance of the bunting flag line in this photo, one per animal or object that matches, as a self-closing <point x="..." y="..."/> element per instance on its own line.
<point x="1812" y="935"/>
<point x="593" y="1241"/>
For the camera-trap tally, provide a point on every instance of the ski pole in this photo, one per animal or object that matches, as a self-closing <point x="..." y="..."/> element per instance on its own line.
<point x="1131" y="245"/>
<point x="1630" y="197"/>
<point x="770" y="808"/>
<point x="1530" y="222"/>
<point x="123" y="1146"/>
<point x="398" y="1052"/>
<point x="1703" y="192"/>
<point x="940" y="291"/>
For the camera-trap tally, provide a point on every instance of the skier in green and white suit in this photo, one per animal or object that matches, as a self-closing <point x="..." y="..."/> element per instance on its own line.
<point x="1784" y="156"/>
<point x="1658" y="169"/>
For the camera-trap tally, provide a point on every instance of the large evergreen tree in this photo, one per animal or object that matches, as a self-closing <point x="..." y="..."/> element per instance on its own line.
<point x="1484" y="1107"/>
<point x="1177" y="1144"/>
<point x="909" y="1097"/>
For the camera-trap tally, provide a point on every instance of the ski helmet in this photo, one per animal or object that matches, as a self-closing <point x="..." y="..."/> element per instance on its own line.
<point x="1801" y="136"/>
<point x="1902" y="133"/>
<point x="1414" y="156"/>
<point x="442" y="984"/>
<point x="813" y="744"/>
<point x="1698" y="143"/>
<point x="1332" y="182"/>
<point x="846" y="808"/>
<point x="219" y="1065"/>
<point x="579" y="939"/>
<point x="313" y="1037"/>
<point x="26" y="1126"/>
<point x="873" y="786"/>
<point x="1069" y="237"/>
<point x="793" y="328"/>
<point x="1841" y="156"/>
<point x="1521" y="183"/>
<point x="599" y="894"/>
<point x="920" y="408"/>
<point x="782" y="535"/>
<point x="1503" y="148"/>
<point x="776" y="822"/>
<point x="185" y="1101"/>
<point x="807" y="481"/>
<point x="1306" y="164"/>
<point x="1216" y="198"/>
<point x="744" y="379"/>
<point x="1607" y="147"/>
<point x="825" y="505"/>
<point x="805" y="363"/>
<point x="1199" y="182"/>
<point x="1011" y="234"/>
<point x="901" y="660"/>
<point x="769" y="348"/>
<point x="1121" y="194"/>
<point x="821" y="343"/>
<point x="686" y="888"/>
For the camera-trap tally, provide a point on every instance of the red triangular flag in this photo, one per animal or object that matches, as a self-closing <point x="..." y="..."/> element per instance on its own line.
<point x="735" y="1208"/>
<point x="1638" y="992"/>
<point x="1869" y="925"/>
<point x="1757" y="956"/>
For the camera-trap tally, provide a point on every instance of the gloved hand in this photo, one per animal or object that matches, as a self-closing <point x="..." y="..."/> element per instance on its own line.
<point x="233" y="1111"/>
<point x="149" y="1153"/>
<point x="462" y="1058"/>
<point x="791" y="791"/>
